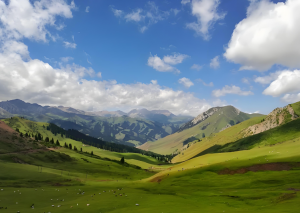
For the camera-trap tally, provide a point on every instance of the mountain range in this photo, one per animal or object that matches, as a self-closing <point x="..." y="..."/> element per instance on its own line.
<point x="133" y="128"/>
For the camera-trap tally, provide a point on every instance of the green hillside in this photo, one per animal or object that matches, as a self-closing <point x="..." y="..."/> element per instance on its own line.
<point x="85" y="183"/>
<point x="214" y="124"/>
<point x="26" y="126"/>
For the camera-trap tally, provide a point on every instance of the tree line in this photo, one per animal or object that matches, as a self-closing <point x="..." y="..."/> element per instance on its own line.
<point x="88" y="140"/>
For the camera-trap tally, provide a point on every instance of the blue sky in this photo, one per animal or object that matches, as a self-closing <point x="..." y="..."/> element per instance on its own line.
<point x="173" y="55"/>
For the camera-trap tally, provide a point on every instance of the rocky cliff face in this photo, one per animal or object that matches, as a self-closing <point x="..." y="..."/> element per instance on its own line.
<point x="200" y="118"/>
<point x="276" y="118"/>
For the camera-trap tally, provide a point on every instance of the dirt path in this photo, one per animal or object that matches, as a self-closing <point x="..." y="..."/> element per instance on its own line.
<point x="261" y="167"/>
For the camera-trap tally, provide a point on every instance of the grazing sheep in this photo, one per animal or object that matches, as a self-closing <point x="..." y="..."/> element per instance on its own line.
<point x="88" y="204"/>
<point x="137" y="204"/>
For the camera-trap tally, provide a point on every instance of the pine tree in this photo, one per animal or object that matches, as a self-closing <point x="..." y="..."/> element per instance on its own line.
<point x="21" y="134"/>
<point x="66" y="146"/>
<point x="92" y="153"/>
<point x="57" y="143"/>
<point x="80" y="149"/>
<point x="70" y="146"/>
<point x="52" y="141"/>
<point x="46" y="139"/>
<point x="122" y="160"/>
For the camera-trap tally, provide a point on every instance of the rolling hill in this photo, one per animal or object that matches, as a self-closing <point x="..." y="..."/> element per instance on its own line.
<point x="281" y="125"/>
<point x="212" y="121"/>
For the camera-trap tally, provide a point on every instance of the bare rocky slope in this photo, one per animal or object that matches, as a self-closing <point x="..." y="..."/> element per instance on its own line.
<point x="276" y="118"/>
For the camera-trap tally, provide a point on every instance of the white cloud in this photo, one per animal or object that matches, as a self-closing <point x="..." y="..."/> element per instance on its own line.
<point x="211" y="84"/>
<point x="268" y="35"/>
<point x="99" y="75"/>
<point x="207" y="14"/>
<point x="185" y="2"/>
<point x="135" y="16"/>
<point x="245" y="80"/>
<point x="20" y="18"/>
<point x="87" y="9"/>
<point x="154" y="81"/>
<point x="160" y="65"/>
<point x="164" y="65"/>
<point x="268" y="78"/>
<point x="89" y="61"/>
<point x="230" y="90"/>
<point x="291" y="98"/>
<point x="286" y="82"/>
<point x="73" y="37"/>
<point x="186" y="82"/>
<point x="148" y="16"/>
<point x="69" y="45"/>
<point x="37" y="82"/>
<point x="177" y="58"/>
<point x="66" y="59"/>
<point x="196" y="67"/>
<point x="214" y="63"/>
<point x="117" y="13"/>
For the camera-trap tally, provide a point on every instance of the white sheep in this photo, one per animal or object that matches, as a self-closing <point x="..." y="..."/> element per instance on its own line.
<point x="88" y="204"/>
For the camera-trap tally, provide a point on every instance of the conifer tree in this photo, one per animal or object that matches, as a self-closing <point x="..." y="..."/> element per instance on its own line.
<point x="57" y="143"/>
<point x="70" y="146"/>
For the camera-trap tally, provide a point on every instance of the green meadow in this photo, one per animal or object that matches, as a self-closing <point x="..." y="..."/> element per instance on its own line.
<point x="63" y="180"/>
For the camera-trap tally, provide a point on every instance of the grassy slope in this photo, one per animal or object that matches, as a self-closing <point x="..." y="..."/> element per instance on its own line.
<point x="175" y="141"/>
<point x="288" y="131"/>
<point x="229" y="135"/>
<point x="34" y="127"/>
<point x="196" y="188"/>
<point x="296" y="107"/>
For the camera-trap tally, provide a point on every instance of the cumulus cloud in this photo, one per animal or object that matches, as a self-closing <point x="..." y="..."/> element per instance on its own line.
<point x="87" y="9"/>
<point x="154" y="81"/>
<point x="268" y="35"/>
<point x="160" y="65"/>
<point x="196" y="67"/>
<point x="206" y="12"/>
<point x="70" y="45"/>
<point x="268" y="78"/>
<point x="164" y="65"/>
<point x="214" y="63"/>
<point x="186" y="82"/>
<point x="36" y="81"/>
<point x="211" y="84"/>
<point x="286" y="82"/>
<point x="146" y="17"/>
<point x="22" y="19"/>
<point x="230" y="90"/>
<point x="177" y="58"/>
<point x="291" y="98"/>
<point x="99" y="75"/>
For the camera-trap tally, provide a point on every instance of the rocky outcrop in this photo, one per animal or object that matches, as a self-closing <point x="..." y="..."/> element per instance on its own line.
<point x="276" y="118"/>
<point x="200" y="118"/>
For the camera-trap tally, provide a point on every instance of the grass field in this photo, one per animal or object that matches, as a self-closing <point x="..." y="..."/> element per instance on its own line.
<point x="70" y="180"/>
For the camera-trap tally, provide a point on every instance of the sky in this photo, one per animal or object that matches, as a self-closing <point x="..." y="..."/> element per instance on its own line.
<point x="184" y="56"/>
